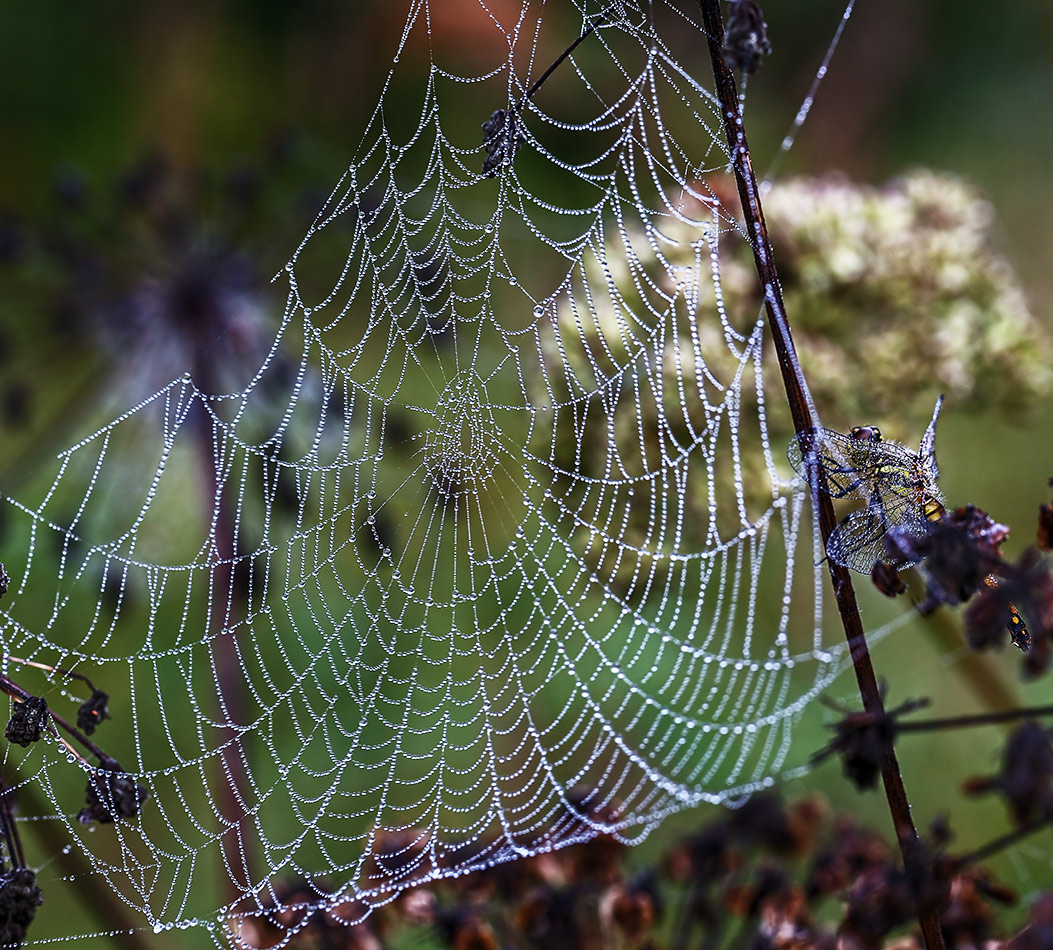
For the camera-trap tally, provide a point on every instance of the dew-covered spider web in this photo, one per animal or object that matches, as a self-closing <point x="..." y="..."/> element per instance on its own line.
<point x="496" y="550"/>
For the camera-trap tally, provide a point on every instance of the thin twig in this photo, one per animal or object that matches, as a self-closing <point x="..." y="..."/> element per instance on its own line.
<point x="11" y="688"/>
<point x="979" y="719"/>
<point x="51" y="669"/>
<point x="998" y="844"/>
<point x="800" y="410"/>
<point x="540" y="81"/>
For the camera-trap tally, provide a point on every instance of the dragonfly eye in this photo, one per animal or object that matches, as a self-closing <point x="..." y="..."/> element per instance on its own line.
<point x="867" y="433"/>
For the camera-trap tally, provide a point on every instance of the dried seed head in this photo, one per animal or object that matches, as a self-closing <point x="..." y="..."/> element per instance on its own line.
<point x="861" y="741"/>
<point x="1026" y="778"/>
<point x="502" y="136"/>
<point x="19" y="899"/>
<point x="111" y="795"/>
<point x="745" y="37"/>
<point x="957" y="553"/>
<point x="887" y="580"/>
<point x="93" y="711"/>
<point x="27" y="721"/>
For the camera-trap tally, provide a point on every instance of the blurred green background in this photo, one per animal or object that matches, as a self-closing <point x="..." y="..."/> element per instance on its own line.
<point x="283" y="91"/>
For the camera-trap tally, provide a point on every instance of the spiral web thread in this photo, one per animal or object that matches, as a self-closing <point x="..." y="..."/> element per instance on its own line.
<point x="492" y="554"/>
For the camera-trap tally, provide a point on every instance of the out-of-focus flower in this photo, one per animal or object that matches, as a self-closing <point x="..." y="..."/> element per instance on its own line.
<point x="894" y="293"/>
<point x="163" y="272"/>
<point x="745" y="36"/>
<point x="1026" y="777"/>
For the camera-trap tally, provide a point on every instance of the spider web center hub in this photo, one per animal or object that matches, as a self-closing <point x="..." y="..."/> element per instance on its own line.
<point x="460" y="450"/>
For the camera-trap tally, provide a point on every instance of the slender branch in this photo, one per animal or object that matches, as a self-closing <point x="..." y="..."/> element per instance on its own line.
<point x="800" y="410"/>
<point x="980" y="719"/>
<point x="540" y="81"/>
<point x="7" y="821"/>
<point x="11" y="688"/>
<point x="51" y="669"/>
<point x="998" y="844"/>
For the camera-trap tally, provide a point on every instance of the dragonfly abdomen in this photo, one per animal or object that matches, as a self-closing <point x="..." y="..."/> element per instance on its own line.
<point x="932" y="508"/>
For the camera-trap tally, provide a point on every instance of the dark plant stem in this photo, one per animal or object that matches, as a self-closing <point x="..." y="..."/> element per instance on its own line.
<point x="232" y="779"/>
<point x="11" y="838"/>
<point x="685" y="915"/>
<point x="800" y="410"/>
<point x="980" y="719"/>
<point x="91" y="888"/>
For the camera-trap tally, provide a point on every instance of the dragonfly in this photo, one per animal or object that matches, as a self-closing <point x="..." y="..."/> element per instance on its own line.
<point x="899" y="488"/>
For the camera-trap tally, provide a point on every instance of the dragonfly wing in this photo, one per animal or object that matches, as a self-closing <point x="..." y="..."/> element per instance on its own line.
<point x="859" y="540"/>
<point x="928" y="442"/>
<point x="850" y="466"/>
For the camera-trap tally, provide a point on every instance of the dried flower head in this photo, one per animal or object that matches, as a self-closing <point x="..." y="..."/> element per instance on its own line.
<point x="956" y="554"/>
<point x="632" y="908"/>
<point x="1043" y="533"/>
<point x="1038" y="934"/>
<point x="880" y="900"/>
<point x="967" y="918"/>
<point x="111" y="795"/>
<point x="502" y="136"/>
<point x="19" y="899"/>
<point x="767" y="882"/>
<point x="1024" y="586"/>
<point x="862" y="741"/>
<point x="1026" y="778"/>
<point x="854" y="849"/>
<point x="93" y="711"/>
<point x="745" y="37"/>
<point x="887" y="579"/>
<point x="766" y="820"/>
<point x="27" y="721"/>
